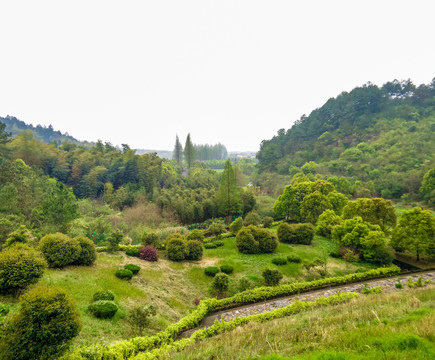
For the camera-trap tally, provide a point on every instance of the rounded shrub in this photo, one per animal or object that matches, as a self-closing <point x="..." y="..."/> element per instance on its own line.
<point x="124" y="274"/>
<point x="272" y="277"/>
<point x="279" y="261"/>
<point x="148" y="253"/>
<point x="150" y="239"/>
<point x="255" y="240"/>
<point x="219" y="243"/>
<point x="252" y="219"/>
<point x="227" y="269"/>
<point x="88" y="253"/>
<point x="220" y="282"/>
<point x="104" y="295"/>
<point x="211" y="271"/>
<point x="296" y="233"/>
<point x="20" y="266"/>
<point x="196" y="234"/>
<point x="104" y="309"/>
<point x="236" y="225"/>
<point x="246" y="242"/>
<point x="133" y="268"/>
<point x="194" y="250"/>
<point x="46" y="322"/>
<point x="210" y="245"/>
<point x="132" y="251"/>
<point x="59" y="250"/>
<point x="267" y="221"/>
<point x="294" y="259"/>
<point x="216" y="228"/>
<point x="176" y="246"/>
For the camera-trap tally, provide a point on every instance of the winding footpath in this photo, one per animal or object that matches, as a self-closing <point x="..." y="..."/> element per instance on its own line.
<point x="387" y="284"/>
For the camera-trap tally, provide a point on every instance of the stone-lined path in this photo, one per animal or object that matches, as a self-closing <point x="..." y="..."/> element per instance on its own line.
<point x="387" y="284"/>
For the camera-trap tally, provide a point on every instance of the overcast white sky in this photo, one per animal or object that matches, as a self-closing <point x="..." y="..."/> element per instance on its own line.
<point x="234" y="72"/>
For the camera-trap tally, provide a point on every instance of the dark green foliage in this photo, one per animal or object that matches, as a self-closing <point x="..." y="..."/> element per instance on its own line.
<point x="88" y="254"/>
<point x="228" y="195"/>
<point x="227" y="269"/>
<point x="210" y="245"/>
<point x="293" y="259"/>
<point x="177" y="154"/>
<point x="132" y="251"/>
<point x="124" y="274"/>
<point x="236" y="225"/>
<point x="279" y="261"/>
<point x="139" y="317"/>
<point x="194" y="250"/>
<point x="211" y="270"/>
<point x="176" y="246"/>
<point x="20" y="266"/>
<point x="267" y="221"/>
<point x="244" y="284"/>
<point x="189" y="152"/>
<point x="104" y="309"/>
<point x="196" y="235"/>
<point x="252" y="219"/>
<point x="59" y="250"/>
<point x="296" y="233"/>
<point x="219" y="243"/>
<point x="220" y="282"/>
<point x="133" y="268"/>
<point x="254" y="240"/>
<point x="104" y="295"/>
<point x="42" y="329"/>
<point x="272" y="277"/>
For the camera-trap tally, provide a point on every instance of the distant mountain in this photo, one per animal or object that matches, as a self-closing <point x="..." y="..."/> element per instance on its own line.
<point x="41" y="133"/>
<point x="382" y="135"/>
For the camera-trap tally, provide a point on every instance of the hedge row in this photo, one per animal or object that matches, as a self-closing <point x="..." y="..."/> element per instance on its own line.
<point x="120" y="247"/>
<point x="126" y="349"/>
<point x="266" y="293"/>
<point x="222" y="327"/>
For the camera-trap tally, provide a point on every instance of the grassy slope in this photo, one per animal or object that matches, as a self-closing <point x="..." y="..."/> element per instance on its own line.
<point x="173" y="287"/>
<point x="398" y="325"/>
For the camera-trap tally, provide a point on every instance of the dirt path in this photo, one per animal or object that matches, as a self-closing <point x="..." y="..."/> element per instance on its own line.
<point x="387" y="284"/>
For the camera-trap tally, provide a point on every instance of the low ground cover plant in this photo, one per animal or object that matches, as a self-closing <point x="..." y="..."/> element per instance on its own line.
<point x="133" y="268"/>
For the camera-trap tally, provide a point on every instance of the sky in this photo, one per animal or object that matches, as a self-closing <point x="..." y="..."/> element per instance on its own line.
<point x="234" y="72"/>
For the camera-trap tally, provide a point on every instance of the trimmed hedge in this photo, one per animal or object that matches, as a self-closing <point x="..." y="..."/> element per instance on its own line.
<point x="124" y="274"/>
<point x="133" y="268"/>
<point x="142" y="348"/>
<point x="211" y="245"/>
<point x="104" y="295"/>
<point x="211" y="270"/>
<point x="294" y="259"/>
<point x="227" y="269"/>
<point x="88" y="254"/>
<point x="129" y="348"/>
<point x="59" y="250"/>
<point x="296" y="233"/>
<point x="104" y="309"/>
<point x="133" y="251"/>
<point x="279" y="261"/>
<point x="255" y="240"/>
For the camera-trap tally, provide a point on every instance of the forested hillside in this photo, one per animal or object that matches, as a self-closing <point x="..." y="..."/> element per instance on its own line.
<point x="383" y="136"/>
<point x="46" y="134"/>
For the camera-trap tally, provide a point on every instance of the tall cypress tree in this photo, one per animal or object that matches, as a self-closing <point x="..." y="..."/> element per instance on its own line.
<point x="178" y="151"/>
<point x="189" y="152"/>
<point x="228" y="197"/>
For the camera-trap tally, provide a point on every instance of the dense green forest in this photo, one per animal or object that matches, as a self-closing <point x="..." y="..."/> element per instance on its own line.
<point x="381" y="136"/>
